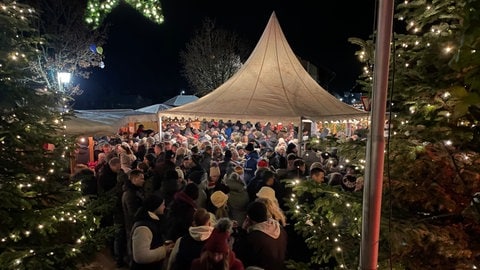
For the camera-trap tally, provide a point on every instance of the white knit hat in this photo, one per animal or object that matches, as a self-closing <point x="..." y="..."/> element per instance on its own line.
<point x="268" y="193"/>
<point x="218" y="198"/>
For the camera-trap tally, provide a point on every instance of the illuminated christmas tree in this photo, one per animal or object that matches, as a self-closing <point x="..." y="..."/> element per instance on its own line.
<point x="45" y="222"/>
<point x="430" y="217"/>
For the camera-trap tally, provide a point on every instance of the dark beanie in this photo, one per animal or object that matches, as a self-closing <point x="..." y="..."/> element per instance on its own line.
<point x="196" y="176"/>
<point x="257" y="211"/>
<point x="191" y="190"/>
<point x="249" y="147"/>
<point x="291" y="146"/>
<point x="227" y="155"/>
<point x="169" y="154"/>
<point x="151" y="158"/>
<point x="196" y="159"/>
<point x="152" y="202"/>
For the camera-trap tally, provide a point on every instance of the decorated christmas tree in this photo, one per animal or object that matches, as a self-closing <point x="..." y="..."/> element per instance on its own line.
<point x="46" y="223"/>
<point x="430" y="207"/>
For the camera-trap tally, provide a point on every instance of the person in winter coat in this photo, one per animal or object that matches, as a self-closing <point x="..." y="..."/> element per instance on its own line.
<point x="219" y="201"/>
<point x="251" y="159"/>
<point x="237" y="198"/>
<point x="261" y="242"/>
<point x="149" y="249"/>
<point x="227" y="165"/>
<point x="217" y="253"/>
<point x="212" y="184"/>
<point x="189" y="246"/>
<point x="182" y="209"/>
<point x="132" y="199"/>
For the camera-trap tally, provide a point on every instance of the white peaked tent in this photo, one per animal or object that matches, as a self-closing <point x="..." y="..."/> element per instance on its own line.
<point x="272" y="85"/>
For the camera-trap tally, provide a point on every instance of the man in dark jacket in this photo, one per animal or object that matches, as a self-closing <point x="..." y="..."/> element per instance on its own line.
<point x="132" y="200"/>
<point x="110" y="184"/>
<point x="251" y="159"/>
<point x="148" y="246"/>
<point x="262" y="242"/>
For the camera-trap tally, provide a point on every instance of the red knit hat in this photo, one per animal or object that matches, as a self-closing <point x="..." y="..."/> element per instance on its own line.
<point x="262" y="163"/>
<point x="218" y="242"/>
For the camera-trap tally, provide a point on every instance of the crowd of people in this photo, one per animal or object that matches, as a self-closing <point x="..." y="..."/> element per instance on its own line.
<point x="206" y="198"/>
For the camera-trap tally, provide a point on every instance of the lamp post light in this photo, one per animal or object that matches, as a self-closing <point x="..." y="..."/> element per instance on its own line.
<point x="63" y="78"/>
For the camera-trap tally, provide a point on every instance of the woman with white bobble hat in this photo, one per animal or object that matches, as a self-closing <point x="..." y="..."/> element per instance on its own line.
<point x="266" y="195"/>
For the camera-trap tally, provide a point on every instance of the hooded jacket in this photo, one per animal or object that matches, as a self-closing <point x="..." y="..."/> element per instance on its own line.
<point x="189" y="247"/>
<point x="265" y="246"/>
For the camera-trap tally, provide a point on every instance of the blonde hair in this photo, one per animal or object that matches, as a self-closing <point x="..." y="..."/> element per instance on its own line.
<point x="273" y="210"/>
<point x="222" y="212"/>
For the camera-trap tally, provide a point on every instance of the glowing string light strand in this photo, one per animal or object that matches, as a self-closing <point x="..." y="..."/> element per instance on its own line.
<point x="97" y="10"/>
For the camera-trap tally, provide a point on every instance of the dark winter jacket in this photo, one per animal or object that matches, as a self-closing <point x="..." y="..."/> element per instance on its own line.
<point x="189" y="247"/>
<point x="250" y="166"/>
<point x="132" y="199"/>
<point x="180" y="215"/>
<point x="264" y="245"/>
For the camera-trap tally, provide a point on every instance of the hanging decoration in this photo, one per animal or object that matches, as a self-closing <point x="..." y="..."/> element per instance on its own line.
<point x="97" y="10"/>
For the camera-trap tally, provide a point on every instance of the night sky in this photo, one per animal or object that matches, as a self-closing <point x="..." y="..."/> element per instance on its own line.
<point x="142" y="58"/>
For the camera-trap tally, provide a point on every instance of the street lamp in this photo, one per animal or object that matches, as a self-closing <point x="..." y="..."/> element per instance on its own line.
<point x="63" y="78"/>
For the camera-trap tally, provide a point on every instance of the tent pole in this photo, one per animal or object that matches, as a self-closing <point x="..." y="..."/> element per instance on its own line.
<point x="300" y="137"/>
<point x="160" y="127"/>
<point x="91" y="150"/>
<point x="372" y="191"/>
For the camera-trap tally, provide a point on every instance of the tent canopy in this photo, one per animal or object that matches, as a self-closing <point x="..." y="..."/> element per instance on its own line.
<point x="92" y="123"/>
<point x="155" y="108"/>
<point x="105" y="122"/>
<point x="272" y="85"/>
<point x="180" y="100"/>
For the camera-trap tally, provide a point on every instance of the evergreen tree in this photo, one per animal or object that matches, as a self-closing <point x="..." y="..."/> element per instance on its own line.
<point x="45" y="221"/>
<point x="430" y="217"/>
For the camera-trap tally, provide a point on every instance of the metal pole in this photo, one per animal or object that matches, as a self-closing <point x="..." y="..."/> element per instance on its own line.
<point x="300" y="137"/>
<point x="160" y="126"/>
<point x="372" y="192"/>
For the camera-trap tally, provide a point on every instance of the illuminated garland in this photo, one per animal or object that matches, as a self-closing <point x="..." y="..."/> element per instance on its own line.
<point x="97" y="10"/>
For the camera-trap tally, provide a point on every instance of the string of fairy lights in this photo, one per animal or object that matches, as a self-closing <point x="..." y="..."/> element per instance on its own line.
<point x="32" y="184"/>
<point x="415" y="28"/>
<point x="303" y="213"/>
<point x="97" y="10"/>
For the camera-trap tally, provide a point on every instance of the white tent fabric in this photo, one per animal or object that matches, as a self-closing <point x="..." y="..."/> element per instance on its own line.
<point x="105" y="122"/>
<point x="180" y="100"/>
<point x="272" y="85"/>
<point x="155" y="108"/>
<point x="92" y="123"/>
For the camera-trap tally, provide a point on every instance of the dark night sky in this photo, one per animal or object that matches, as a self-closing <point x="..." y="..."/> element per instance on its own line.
<point x="143" y="58"/>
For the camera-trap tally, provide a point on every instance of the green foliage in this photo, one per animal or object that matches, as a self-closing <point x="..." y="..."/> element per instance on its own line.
<point x="430" y="204"/>
<point x="331" y="225"/>
<point x="98" y="10"/>
<point x="432" y="160"/>
<point x="46" y="223"/>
